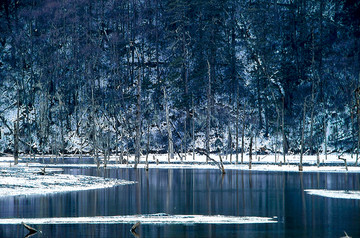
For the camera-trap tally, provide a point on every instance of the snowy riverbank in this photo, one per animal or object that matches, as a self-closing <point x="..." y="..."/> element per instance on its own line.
<point x="330" y="163"/>
<point x="25" y="179"/>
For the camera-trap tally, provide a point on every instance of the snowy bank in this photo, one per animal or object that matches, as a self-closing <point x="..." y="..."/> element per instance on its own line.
<point x="159" y="219"/>
<point x="342" y="194"/>
<point x="16" y="181"/>
<point x="328" y="164"/>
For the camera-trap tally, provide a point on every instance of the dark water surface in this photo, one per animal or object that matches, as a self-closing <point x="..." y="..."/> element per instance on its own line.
<point x="204" y="192"/>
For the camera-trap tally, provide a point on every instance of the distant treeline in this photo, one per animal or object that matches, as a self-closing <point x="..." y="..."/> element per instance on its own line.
<point x="175" y="75"/>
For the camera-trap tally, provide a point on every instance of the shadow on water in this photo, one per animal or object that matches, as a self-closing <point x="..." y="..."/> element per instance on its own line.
<point x="202" y="192"/>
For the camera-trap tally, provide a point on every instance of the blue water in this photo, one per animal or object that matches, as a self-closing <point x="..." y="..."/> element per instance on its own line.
<point x="206" y="192"/>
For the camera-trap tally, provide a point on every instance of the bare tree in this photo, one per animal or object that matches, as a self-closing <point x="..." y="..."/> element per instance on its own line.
<point x="170" y="139"/>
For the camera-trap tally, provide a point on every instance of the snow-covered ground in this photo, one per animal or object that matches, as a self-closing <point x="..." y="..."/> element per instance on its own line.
<point x="159" y="218"/>
<point x="16" y="181"/>
<point x="259" y="163"/>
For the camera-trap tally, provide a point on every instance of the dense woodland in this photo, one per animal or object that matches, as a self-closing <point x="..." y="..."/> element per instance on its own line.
<point x="139" y="76"/>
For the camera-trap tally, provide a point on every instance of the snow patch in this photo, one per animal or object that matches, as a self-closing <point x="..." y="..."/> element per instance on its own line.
<point x="29" y="181"/>
<point x="341" y="194"/>
<point x="160" y="218"/>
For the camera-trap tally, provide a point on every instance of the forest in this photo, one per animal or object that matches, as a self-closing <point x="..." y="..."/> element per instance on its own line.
<point x="139" y="76"/>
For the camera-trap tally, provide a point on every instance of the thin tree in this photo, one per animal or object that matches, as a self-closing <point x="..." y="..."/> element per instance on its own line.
<point x="208" y="112"/>
<point x="170" y="139"/>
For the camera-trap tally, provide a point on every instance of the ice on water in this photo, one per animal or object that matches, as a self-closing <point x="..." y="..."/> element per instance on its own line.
<point x="160" y="218"/>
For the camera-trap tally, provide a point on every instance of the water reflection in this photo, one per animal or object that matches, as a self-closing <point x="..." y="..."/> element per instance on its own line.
<point x="204" y="192"/>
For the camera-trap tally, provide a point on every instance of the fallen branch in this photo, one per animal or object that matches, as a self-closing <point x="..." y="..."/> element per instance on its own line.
<point x="219" y="164"/>
<point x="29" y="228"/>
<point x="346" y="235"/>
<point x="29" y="235"/>
<point x="133" y="229"/>
<point x="344" y="162"/>
<point x="42" y="171"/>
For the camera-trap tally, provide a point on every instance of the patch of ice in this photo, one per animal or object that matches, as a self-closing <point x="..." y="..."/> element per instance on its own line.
<point x="341" y="194"/>
<point x="160" y="218"/>
<point x="27" y="181"/>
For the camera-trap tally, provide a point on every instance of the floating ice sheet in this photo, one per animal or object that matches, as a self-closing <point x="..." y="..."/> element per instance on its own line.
<point x="160" y="218"/>
<point x="26" y="181"/>
<point x="342" y="194"/>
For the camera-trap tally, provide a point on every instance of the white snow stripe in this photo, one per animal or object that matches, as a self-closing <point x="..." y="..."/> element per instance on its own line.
<point x="144" y="219"/>
<point x="340" y="194"/>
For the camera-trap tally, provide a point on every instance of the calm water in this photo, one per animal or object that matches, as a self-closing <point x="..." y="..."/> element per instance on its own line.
<point x="205" y="192"/>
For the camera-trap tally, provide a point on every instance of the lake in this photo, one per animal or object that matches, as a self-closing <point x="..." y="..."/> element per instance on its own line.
<point x="203" y="192"/>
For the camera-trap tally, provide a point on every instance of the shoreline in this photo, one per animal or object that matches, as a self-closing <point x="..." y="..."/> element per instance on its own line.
<point x="26" y="178"/>
<point x="160" y="161"/>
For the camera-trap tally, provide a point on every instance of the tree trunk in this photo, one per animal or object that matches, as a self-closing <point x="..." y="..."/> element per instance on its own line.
<point x="259" y="102"/>
<point x="357" y="95"/>
<point x="193" y="129"/>
<point x="284" y="142"/>
<point x="16" y="143"/>
<point x="243" y="135"/>
<point x="121" y="149"/>
<point x="94" y="130"/>
<point x="229" y="143"/>
<point x="311" y="146"/>
<point x="325" y="138"/>
<point x="148" y="144"/>
<point x="170" y="140"/>
<point x="16" y="130"/>
<point x="237" y="130"/>
<point x="186" y="90"/>
<point x="237" y="127"/>
<point x="312" y="127"/>
<point x="208" y="114"/>
<point x="81" y="147"/>
<point x="256" y="155"/>
<point x="250" y="151"/>
<point x="302" y="137"/>
<point x="62" y="130"/>
<point x="352" y="132"/>
<point x="138" y="122"/>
